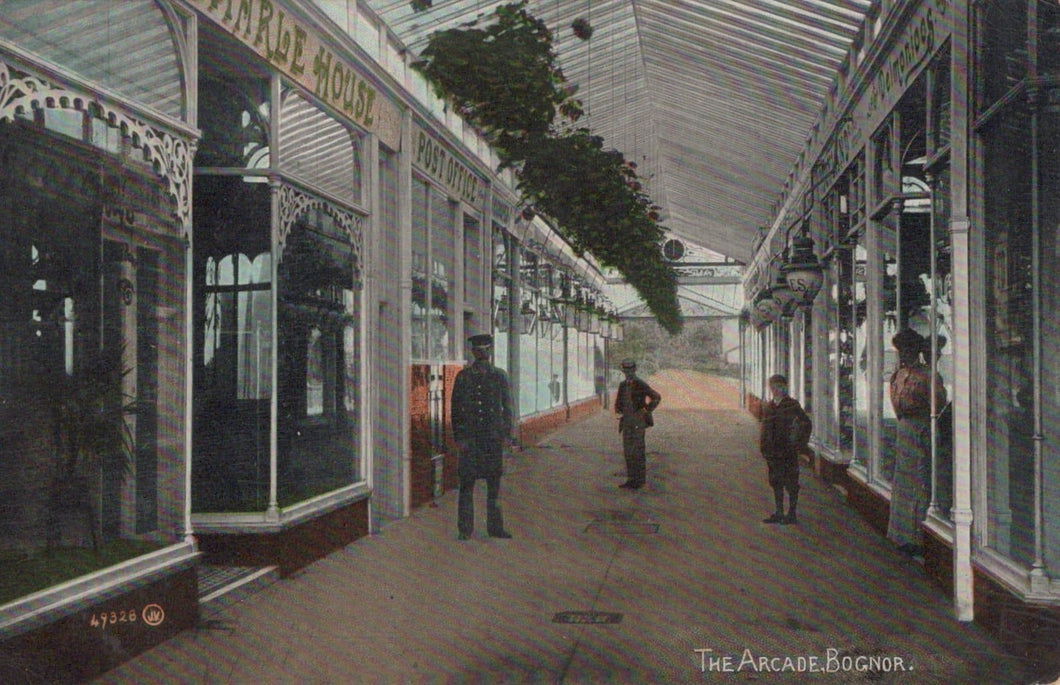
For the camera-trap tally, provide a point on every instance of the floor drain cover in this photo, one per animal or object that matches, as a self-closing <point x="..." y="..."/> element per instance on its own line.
<point x="587" y="617"/>
<point x="622" y="527"/>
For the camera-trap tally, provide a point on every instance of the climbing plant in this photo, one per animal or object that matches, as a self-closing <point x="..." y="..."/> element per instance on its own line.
<point x="503" y="78"/>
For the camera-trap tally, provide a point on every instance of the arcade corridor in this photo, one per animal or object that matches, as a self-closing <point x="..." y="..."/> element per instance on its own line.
<point x="679" y="582"/>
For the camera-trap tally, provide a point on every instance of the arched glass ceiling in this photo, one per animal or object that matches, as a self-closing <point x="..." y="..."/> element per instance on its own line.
<point x="714" y="99"/>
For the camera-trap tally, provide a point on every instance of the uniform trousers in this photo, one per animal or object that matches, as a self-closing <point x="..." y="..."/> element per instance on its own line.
<point x="482" y="459"/>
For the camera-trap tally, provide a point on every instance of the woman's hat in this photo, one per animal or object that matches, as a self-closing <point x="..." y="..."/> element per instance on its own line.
<point x="908" y="339"/>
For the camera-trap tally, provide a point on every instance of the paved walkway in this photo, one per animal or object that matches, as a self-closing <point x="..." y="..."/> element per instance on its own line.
<point x="697" y="588"/>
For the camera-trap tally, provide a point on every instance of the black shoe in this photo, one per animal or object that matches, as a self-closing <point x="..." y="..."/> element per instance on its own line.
<point x="628" y="485"/>
<point x="463" y="536"/>
<point x="790" y="519"/>
<point x="776" y="518"/>
<point x="503" y="535"/>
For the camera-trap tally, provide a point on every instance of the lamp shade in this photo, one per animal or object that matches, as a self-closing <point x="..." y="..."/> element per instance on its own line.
<point x="802" y="271"/>
<point x="767" y="309"/>
<point x="783" y="294"/>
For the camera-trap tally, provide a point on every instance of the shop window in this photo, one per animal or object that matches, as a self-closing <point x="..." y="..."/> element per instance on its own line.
<point x="501" y="313"/>
<point x="474" y="268"/>
<point x="845" y="350"/>
<point x="1007" y="200"/>
<point x="83" y="349"/>
<point x="1048" y="154"/>
<point x="318" y="390"/>
<point x="433" y="273"/>
<point x="420" y="301"/>
<point x="860" y="361"/>
<point x="234" y="346"/>
<point x="1001" y="49"/>
<point x="443" y="314"/>
<point x="525" y="324"/>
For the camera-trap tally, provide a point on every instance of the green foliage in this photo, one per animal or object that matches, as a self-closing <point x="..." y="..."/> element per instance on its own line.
<point x="699" y="347"/>
<point x="504" y="80"/>
<point x="91" y="408"/>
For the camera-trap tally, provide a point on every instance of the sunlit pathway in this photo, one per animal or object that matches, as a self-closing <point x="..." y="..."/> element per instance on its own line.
<point x="695" y="587"/>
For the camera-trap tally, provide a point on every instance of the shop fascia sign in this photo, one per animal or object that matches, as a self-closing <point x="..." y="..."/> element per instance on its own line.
<point x="913" y="49"/>
<point x="436" y="160"/>
<point x="271" y="31"/>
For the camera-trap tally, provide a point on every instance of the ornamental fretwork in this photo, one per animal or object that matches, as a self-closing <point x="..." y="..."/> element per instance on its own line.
<point x="22" y="94"/>
<point x="294" y="204"/>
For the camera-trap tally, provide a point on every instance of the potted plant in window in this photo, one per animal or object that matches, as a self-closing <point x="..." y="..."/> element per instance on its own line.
<point x="91" y="438"/>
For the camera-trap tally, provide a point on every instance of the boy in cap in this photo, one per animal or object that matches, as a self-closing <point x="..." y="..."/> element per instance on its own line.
<point x="635" y="402"/>
<point x="482" y="423"/>
<point x="785" y="433"/>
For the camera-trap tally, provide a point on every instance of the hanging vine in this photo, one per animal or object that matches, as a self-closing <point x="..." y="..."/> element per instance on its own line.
<point x="503" y="78"/>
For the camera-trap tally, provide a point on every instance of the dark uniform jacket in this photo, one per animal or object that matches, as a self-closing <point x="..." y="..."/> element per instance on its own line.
<point x="785" y="429"/>
<point x="482" y="418"/>
<point x="641" y="396"/>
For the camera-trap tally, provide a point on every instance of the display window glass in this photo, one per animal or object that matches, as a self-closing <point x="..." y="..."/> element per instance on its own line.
<point x="91" y="402"/>
<point x="318" y="377"/>
<point x="501" y="305"/>
<point x="233" y="345"/>
<point x="1007" y="159"/>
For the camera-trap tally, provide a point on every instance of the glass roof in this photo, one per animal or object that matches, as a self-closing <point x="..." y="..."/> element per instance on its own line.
<point x="713" y="99"/>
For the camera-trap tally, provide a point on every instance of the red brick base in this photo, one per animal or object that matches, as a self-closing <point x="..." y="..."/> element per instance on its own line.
<point x="292" y="548"/>
<point x="535" y="428"/>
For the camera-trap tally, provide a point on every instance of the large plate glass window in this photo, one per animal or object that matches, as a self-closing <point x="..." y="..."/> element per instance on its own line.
<point x="91" y="402"/>
<point x="319" y="363"/>
<point x="233" y="345"/>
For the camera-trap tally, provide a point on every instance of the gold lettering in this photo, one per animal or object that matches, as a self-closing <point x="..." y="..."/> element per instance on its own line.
<point x="264" y="26"/>
<point x="348" y="93"/>
<point x="283" y="42"/>
<point x="322" y="70"/>
<point x="337" y="74"/>
<point x="421" y="144"/>
<point x="297" y="65"/>
<point x="245" y="9"/>
<point x="369" y="118"/>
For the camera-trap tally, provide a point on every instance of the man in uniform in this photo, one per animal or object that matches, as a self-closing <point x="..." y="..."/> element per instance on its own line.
<point x="482" y="423"/>
<point x="634" y="404"/>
